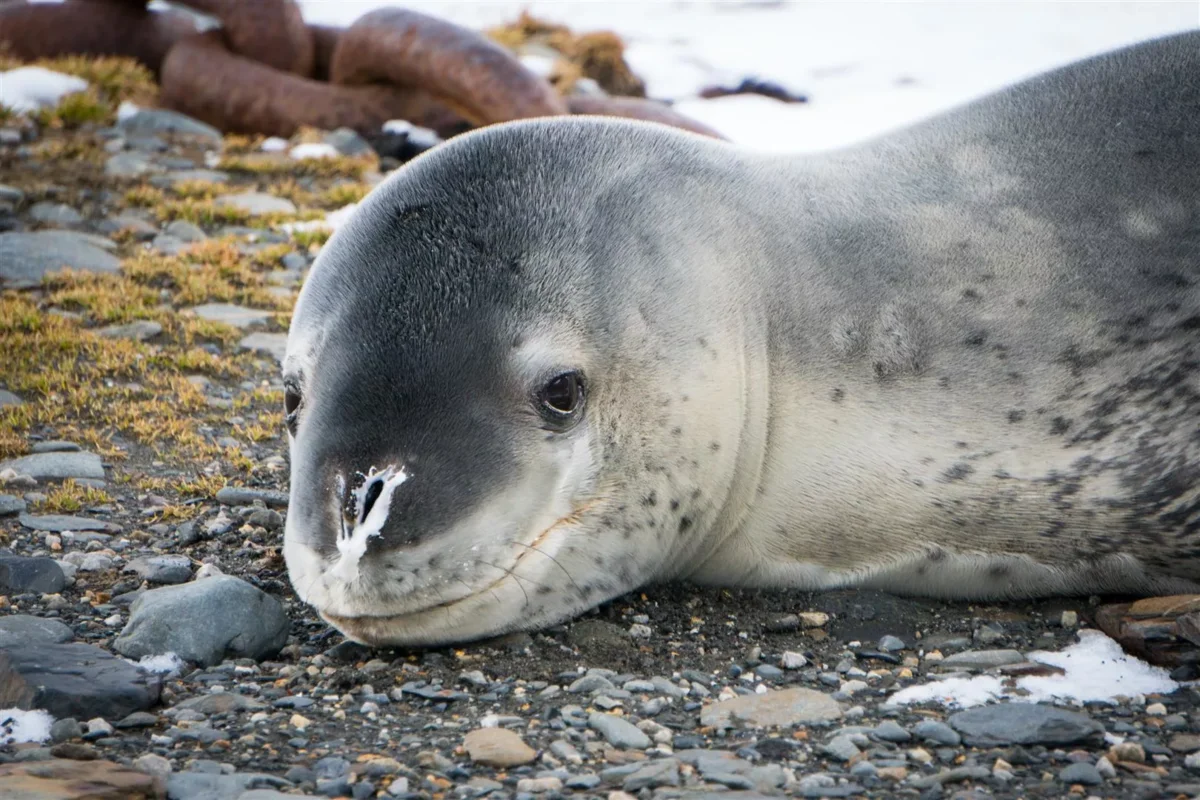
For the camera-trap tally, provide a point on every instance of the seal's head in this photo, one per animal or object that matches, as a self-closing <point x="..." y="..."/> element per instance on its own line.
<point x="488" y="379"/>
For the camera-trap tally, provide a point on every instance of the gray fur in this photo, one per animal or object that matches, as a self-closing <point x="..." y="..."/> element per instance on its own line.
<point x="959" y="360"/>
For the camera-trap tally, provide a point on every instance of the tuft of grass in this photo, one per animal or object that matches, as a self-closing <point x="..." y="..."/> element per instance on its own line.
<point x="76" y="110"/>
<point x="70" y="497"/>
<point x="268" y="165"/>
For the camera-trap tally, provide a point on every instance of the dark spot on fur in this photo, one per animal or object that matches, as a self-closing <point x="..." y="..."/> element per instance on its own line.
<point x="1190" y="324"/>
<point x="976" y="338"/>
<point x="971" y="294"/>
<point x="1016" y="415"/>
<point x="674" y="505"/>
<point x="684" y="523"/>
<point x="936" y="555"/>
<point x="676" y="431"/>
<point x="998" y="571"/>
<point x="837" y="395"/>
<point x="650" y="499"/>
<point x="957" y="472"/>
<point x="544" y="590"/>
<point x="1060" y="425"/>
<point x="714" y="446"/>
<point x="1021" y="303"/>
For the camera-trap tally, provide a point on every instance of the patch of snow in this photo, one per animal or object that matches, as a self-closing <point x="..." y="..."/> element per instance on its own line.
<point x="333" y="220"/>
<point x="1097" y="670"/>
<point x="164" y="664"/>
<point x="126" y="110"/>
<point x="275" y="144"/>
<point x="313" y="150"/>
<point x="18" y="726"/>
<point x="422" y="137"/>
<point x="26" y="89"/>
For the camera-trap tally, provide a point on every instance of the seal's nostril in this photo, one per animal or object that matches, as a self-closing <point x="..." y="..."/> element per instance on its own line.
<point x="371" y="495"/>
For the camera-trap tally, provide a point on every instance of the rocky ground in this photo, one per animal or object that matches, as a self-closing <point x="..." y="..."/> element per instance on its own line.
<point x="143" y="480"/>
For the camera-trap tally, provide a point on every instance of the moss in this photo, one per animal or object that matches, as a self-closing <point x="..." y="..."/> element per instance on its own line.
<point x="599" y="55"/>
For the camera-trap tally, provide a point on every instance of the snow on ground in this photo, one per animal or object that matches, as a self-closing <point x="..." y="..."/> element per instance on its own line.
<point x="1097" y="670"/>
<point x="27" y="89"/>
<point x="866" y="67"/>
<point x="18" y="726"/>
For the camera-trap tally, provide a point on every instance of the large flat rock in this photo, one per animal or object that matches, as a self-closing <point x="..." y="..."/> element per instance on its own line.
<point x="74" y="680"/>
<point x="57" y="466"/>
<point x="27" y="257"/>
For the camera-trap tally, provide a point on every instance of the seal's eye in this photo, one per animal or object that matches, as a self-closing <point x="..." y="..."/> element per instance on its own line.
<point x="562" y="396"/>
<point x="291" y="403"/>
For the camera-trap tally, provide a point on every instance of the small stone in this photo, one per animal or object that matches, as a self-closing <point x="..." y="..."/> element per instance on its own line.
<point x="1105" y="767"/>
<point x="618" y="732"/>
<point x="205" y="622"/>
<point x="220" y="703"/>
<point x="1069" y="619"/>
<point x="10" y="505"/>
<point x="840" y="748"/>
<point x="139" y="331"/>
<point x="256" y="203"/>
<point x="138" y="719"/>
<point x="162" y="569"/>
<point x="983" y="659"/>
<point x="1129" y="751"/>
<point x="186" y="231"/>
<point x="55" y="446"/>
<point x="238" y="316"/>
<point x="154" y="765"/>
<point x="19" y="575"/>
<point x="266" y="518"/>
<point x="64" y="730"/>
<point x="498" y="747"/>
<point x="784" y="624"/>
<point x="1024" y="724"/>
<point x="61" y="523"/>
<point x="539" y="785"/>
<point x="7" y="398"/>
<point x="267" y="344"/>
<point x="242" y="495"/>
<point x="159" y="121"/>
<point x="653" y="775"/>
<point x="813" y="619"/>
<point x="1184" y="743"/>
<point x="1081" y="772"/>
<point x="939" y="732"/>
<point x="347" y="142"/>
<point x="299" y="722"/>
<point x="54" y="214"/>
<point x="891" y="644"/>
<point x="781" y="708"/>
<point x="790" y="660"/>
<point x="22" y="629"/>
<point x="1156" y="710"/>
<point x="891" y="731"/>
<point x="590" y="683"/>
<point x="130" y="164"/>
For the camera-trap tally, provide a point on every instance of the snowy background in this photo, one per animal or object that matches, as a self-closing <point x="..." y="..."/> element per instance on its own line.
<point x="866" y="67"/>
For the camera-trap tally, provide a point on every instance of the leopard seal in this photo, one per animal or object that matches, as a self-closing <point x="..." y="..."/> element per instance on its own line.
<point x="552" y="361"/>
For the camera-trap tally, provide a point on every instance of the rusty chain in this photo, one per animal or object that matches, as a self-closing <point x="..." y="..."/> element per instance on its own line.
<point x="265" y="71"/>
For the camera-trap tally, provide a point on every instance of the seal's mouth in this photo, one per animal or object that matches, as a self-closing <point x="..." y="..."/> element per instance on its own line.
<point x="499" y="606"/>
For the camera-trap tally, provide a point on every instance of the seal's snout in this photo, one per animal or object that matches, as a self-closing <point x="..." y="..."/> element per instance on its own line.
<point x="364" y="511"/>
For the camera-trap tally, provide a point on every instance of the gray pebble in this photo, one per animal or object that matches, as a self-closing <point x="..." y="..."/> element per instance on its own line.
<point x="1081" y="772"/>
<point x="618" y="732"/>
